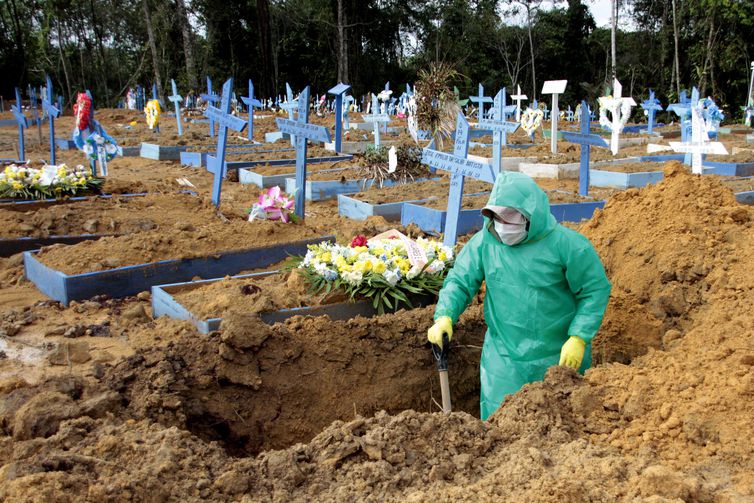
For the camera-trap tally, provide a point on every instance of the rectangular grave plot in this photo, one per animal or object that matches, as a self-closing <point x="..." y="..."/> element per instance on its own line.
<point x="322" y="190"/>
<point x="130" y="280"/>
<point x="432" y="221"/>
<point x="33" y="204"/>
<point x="279" y="162"/>
<point x="251" y="177"/>
<point x="728" y="168"/>
<point x="164" y="304"/>
<point x="161" y="152"/>
<point x="546" y="170"/>
<point x="356" y="209"/>
<point x="614" y="179"/>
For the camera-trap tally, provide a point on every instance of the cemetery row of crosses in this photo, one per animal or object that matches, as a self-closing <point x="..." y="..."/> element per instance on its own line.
<point x="227" y="296"/>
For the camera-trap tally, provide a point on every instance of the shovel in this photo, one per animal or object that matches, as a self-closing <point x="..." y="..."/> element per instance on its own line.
<point x="441" y="357"/>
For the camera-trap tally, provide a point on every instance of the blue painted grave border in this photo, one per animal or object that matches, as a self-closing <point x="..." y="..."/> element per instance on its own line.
<point x="250" y="177"/>
<point x="130" y="280"/>
<point x="322" y="190"/>
<point x="280" y="162"/>
<point x="728" y="168"/>
<point x="164" y="304"/>
<point x="356" y="209"/>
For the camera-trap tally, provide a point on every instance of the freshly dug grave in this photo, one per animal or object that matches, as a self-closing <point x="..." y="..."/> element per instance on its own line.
<point x="567" y="153"/>
<point x="671" y="425"/>
<point x="183" y="242"/>
<point x="117" y="215"/>
<point x="311" y="168"/>
<point x="417" y="191"/>
<point x="250" y="295"/>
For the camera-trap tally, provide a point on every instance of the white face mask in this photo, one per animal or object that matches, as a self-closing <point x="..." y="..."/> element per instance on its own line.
<point x="513" y="228"/>
<point x="510" y="234"/>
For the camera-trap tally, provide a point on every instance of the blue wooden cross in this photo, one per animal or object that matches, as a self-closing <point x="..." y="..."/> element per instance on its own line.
<point x="224" y="121"/>
<point x="376" y="118"/>
<point x="460" y="167"/>
<point x="683" y="110"/>
<point x="251" y="103"/>
<point x="34" y="110"/>
<point x="480" y="100"/>
<point x="500" y="129"/>
<point x="338" y="91"/>
<point x="302" y="131"/>
<point x="18" y="113"/>
<point x="52" y="112"/>
<point x="155" y="96"/>
<point x="176" y="99"/>
<point x="211" y="98"/>
<point x="586" y="141"/>
<point x="652" y="106"/>
<point x="290" y="105"/>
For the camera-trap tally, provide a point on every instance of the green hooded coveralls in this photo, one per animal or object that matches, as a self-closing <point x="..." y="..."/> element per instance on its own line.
<point x="539" y="292"/>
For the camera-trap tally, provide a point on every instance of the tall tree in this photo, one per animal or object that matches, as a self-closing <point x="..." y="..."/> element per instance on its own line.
<point x="188" y="44"/>
<point x="152" y="46"/>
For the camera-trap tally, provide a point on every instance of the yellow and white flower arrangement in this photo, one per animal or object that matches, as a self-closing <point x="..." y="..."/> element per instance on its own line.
<point x="531" y="120"/>
<point x="389" y="269"/>
<point x="25" y="182"/>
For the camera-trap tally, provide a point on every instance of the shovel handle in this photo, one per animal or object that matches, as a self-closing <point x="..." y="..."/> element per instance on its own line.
<point x="441" y="353"/>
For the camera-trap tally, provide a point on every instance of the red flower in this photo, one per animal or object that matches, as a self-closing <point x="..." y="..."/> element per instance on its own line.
<point x="358" y="241"/>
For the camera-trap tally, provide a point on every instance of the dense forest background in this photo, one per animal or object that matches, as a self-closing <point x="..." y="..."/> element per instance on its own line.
<point x="109" y="45"/>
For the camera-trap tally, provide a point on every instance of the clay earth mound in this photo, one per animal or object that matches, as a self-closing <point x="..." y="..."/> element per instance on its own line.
<point x="293" y="412"/>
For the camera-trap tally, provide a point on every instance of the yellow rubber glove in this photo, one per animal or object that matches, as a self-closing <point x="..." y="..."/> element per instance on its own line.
<point x="572" y="352"/>
<point x="443" y="325"/>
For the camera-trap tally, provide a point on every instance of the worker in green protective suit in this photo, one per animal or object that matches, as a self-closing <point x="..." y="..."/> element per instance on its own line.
<point x="546" y="291"/>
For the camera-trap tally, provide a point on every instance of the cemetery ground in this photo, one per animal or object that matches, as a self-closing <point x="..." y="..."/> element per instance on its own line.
<point x="101" y="401"/>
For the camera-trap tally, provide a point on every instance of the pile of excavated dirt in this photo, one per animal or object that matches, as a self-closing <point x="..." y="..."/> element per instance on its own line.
<point x="667" y="417"/>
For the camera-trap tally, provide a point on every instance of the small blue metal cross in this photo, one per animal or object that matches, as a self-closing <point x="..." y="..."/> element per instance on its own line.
<point x="23" y="123"/>
<point x="500" y="129"/>
<point x="302" y="131"/>
<point x="480" y="100"/>
<point x="224" y="121"/>
<point x="176" y="99"/>
<point x="211" y="98"/>
<point x="652" y="106"/>
<point x="586" y="141"/>
<point x="251" y="102"/>
<point x="52" y="112"/>
<point x="460" y="167"/>
<point x="376" y="118"/>
<point x="338" y="91"/>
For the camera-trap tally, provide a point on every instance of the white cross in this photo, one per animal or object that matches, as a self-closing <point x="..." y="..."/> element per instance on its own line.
<point x="554" y="88"/>
<point x="614" y="104"/>
<point x="699" y="143"/>
<point x="518" y="98"/>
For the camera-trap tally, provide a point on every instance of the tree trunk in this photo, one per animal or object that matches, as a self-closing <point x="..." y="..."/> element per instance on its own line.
<point x="188" y="47"/>
<point x="265" y="48"/>
<point x="153" y="47"/>
<point x="342" y="44"/>
<point x="676" y="42"/>
<point x="62" y="62"/>
<point x="613" y="31"/>
<point x="531" y="52"/>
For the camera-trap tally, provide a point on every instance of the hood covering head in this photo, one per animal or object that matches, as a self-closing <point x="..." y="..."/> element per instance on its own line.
<point x="519" y="191"/>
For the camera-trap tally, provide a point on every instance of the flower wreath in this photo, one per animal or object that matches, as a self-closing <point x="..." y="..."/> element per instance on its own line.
<point x="152" y="111"/>
<point x="96" y="142"/>
<point x="608" y="103"/>
<point x="531" y="120"/>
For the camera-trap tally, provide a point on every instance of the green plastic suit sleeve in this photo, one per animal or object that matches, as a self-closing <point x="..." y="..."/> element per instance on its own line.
<point x="590" y="287"/>
<point x="463" y="281"/>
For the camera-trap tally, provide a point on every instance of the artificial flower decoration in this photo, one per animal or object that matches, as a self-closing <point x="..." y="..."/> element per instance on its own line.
<point x="96" y="145"/>
<point x="25" y="182"/>
<point x="531" y="120"/>
<point x="389" y="269"/>
<point x="273" y="205"/>
<point x="152" y="111"/>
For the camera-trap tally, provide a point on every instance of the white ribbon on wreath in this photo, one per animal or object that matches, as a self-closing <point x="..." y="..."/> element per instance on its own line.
<point x="531" y="120"/>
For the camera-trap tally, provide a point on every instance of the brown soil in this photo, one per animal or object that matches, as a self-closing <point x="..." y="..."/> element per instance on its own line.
<point x="291" y="168"/>
<point x="739" y="157"/>
<point x="183" y="242"/>
<point x="418" y="191"/>
<point x="248" y="295"/>
<point x="739" y="184"/>
<point x="124" y="407"/>
<point x="117" y="215"/>
<point x="632" y="167"/>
